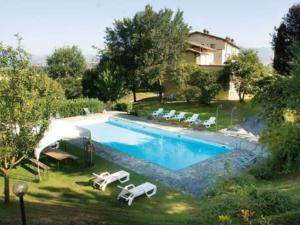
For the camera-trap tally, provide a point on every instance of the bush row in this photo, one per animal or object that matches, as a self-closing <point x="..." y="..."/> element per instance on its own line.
<point x="230" y="196"/>
<point x="74" y="107"/>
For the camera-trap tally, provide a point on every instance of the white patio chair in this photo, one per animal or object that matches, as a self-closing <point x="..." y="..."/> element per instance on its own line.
<point x="86" y="111"/>
<point x="130" y="192"/>
<point x="209" y="122"/>
<point x="193" y="118"/>
<point x="103" y="179"/>
<point x="180" y="116"/>
<point x="170" y="114"/>
<point x="159" y="112"/>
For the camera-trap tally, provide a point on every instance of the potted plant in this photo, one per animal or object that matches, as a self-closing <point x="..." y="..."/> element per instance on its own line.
<point x="198" y="127"/>
<point x="174" y="122"/>
<point x="186" y="125"/>
<point x="161" y="119"/>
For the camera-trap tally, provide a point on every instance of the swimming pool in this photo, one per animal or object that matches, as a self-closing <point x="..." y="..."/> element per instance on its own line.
<point x="169" y="150"/>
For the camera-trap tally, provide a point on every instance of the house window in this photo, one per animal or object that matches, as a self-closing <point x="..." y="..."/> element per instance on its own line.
<point x="213" y="45"/>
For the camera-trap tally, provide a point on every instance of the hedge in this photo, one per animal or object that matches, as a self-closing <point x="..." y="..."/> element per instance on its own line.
<point x="74" y="107"/>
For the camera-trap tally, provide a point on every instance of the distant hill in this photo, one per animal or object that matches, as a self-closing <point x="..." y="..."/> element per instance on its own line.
<point x="265" y="54"/>
<point x="40" y="60"/>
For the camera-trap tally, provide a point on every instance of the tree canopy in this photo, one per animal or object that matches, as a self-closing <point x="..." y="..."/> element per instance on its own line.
<point x="148" y="45"/>
<point x="26" y="101"/>
<point x="245" y="70"/>
<point x="67" y="66"/>
<point x="281" y="95"/>
<point x="287" y="33"/>
<point x="105" y="81"/>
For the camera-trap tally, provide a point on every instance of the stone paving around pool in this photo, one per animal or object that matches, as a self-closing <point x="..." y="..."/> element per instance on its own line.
<point x="195" y="178"/>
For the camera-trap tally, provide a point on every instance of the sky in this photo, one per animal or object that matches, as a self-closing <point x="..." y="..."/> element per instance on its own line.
<point x="48" y="24"/>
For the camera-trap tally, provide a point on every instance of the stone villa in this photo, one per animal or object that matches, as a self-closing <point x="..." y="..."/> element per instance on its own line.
<point x="210" y="52"/>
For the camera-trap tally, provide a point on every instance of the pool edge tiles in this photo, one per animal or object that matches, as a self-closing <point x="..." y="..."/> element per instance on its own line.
<point x="154" y="145"/>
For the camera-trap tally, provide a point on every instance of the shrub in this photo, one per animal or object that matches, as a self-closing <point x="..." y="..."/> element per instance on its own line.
<point x="262" y="171"/>
<point x="270" y="202"/>
<point x="207" y="83"/>
<point x="124" y="107"/>
<point x="283" y="142"/>
<point x="74" y="107"/>
<point x="105" y="81"/>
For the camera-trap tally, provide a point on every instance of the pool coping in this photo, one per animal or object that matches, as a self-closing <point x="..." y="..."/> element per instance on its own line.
<point x="196" y="178"/>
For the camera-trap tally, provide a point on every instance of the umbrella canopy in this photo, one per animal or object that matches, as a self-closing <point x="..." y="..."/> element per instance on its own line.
<point x="58" y="130"/>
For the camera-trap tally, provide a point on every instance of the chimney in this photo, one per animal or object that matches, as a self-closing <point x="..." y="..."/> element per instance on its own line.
<point x="205" y="31"/>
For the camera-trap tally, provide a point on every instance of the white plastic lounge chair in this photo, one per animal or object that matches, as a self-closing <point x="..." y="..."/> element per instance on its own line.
<point x="86" y="111"/>
<point x="103" y="179"/>
<point x="180" y="116"/>
<point x="170" y="114"/>
<point x="159" y="112"/>
<point x="130" y="192"/>
<point x="193" y="118"/>
<point x="209" y="122"/>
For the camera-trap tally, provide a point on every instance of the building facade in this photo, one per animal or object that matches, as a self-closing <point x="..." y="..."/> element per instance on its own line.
<point x="209" y="52"/>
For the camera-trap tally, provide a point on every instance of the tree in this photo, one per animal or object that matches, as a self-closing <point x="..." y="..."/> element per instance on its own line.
<point x="284" y="36"/>
<point x="163" y="39"/>
<point x="281" y="94"/>
<point x="182" y="78"/>
<point x="207" y="83"/>
<point x="105" y="81"/>
<point x="245" y="69"/>
<point x="122" y="47"/>
<point x="67" y="65"/>
<point x="148" y="46"/>
<point x="26" y="102"/>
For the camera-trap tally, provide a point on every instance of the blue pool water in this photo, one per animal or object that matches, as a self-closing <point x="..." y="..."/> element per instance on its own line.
<point x="166" y="149"/>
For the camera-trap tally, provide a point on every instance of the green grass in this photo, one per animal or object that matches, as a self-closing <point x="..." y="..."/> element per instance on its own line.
<point x="139" y="96"/>
<point x="148" y="105"/>
<point x="67" y="197"/>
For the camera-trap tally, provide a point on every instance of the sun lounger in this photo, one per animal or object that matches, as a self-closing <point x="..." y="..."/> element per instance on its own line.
<point x="130" y="192"/>
<point x="193" y="118"/>
<point x="86" y="111"/>
<point x="103" y="179"/>
<point x="159" y="112"/>
<point x="209" y="122"/>
<point x="180" y="116"/>
<point x="169" y="115"/>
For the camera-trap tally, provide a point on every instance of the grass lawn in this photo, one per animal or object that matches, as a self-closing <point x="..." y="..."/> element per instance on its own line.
<point x="67" y="197"/>
<point x="139" y="96"/>
<point x="148" y="105"/>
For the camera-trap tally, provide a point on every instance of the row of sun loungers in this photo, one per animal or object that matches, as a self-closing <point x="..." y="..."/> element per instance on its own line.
<point x="129" y="192"/>
<point x="182" y="116"/>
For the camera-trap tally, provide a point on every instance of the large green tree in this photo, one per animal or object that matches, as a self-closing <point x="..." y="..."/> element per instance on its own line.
<point x="245" y="70"/>
<point x="287" y="32"/>
<point x="163" y="39"/>
<point x="67" y="66"/>
<point x="105" y="81"/>
<point x="26" y="101"/>
<point x="182" y="79"/>
<point x="148" y="46"/>
<point x="281" y="94"/>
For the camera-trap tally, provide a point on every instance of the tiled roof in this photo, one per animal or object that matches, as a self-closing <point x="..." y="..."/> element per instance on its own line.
<point x="209" y="35"/>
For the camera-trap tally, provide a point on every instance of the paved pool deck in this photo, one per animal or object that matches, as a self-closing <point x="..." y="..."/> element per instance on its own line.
<point x="194" y="179"/>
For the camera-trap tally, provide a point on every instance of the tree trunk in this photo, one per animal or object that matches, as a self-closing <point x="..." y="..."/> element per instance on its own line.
<point x="241" y="96"/>
<point x="160" y="94"/>
<point x="6" y="188"/>
<point x="160" y="90"/>
<point x="134" y="94"/>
